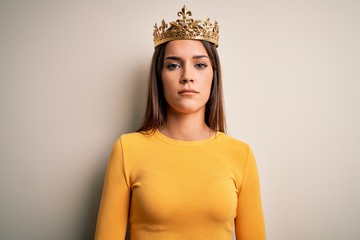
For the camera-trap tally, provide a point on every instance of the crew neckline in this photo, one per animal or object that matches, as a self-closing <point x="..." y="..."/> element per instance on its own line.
<point x="173" y="141"/>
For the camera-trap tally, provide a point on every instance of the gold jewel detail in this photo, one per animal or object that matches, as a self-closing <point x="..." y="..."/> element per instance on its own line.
<point x="186" y="28"/>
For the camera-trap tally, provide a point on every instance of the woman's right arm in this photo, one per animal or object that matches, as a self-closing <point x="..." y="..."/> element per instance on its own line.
<point x="114" y="206"/>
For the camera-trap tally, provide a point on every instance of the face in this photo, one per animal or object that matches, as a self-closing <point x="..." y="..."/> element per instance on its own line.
<point x="186" y="76"/>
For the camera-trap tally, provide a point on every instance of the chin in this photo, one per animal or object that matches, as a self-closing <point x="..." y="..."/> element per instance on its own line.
<point x="187" y="109"/>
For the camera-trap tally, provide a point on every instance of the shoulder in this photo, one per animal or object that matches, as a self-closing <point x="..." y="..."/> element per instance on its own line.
<point x="134" y="139"/>
<point x="237" y="150"/>
<point x="132" y="136"/>
<point x="232" y="142"/>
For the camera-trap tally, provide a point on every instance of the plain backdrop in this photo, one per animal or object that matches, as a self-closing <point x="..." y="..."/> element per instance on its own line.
<point x="73" y="78"/>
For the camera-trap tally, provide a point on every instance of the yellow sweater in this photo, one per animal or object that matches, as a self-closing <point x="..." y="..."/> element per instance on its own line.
<point x="171" y="190"/>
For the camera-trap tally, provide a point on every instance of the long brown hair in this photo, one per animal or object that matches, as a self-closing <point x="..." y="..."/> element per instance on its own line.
<point x="156" y="106"/>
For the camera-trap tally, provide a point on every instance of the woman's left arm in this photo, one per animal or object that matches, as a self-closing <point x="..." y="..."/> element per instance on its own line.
<point x="249" y="221"/>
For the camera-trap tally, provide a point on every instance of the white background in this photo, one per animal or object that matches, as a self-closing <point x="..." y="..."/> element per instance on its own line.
<point x="73" y="78"/>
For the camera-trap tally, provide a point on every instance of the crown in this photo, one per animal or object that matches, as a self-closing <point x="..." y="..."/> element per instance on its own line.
<point x="186" y="28"/>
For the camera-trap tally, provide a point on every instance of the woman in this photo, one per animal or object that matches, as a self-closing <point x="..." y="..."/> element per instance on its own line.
<point x="180" y="176"/>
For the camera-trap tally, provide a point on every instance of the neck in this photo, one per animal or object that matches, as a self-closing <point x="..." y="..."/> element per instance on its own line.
<point x="186" y="127"/>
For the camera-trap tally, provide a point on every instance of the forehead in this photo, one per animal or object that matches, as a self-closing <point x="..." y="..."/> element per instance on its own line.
<point x="184" y="48"/>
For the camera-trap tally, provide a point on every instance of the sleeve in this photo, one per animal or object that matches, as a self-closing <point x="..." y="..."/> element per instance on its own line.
<point x="249" y="221"/>
<point x="114" y="207"/>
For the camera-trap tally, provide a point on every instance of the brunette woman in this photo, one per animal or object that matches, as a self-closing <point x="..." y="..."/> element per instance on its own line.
<point x="180" y="176"/>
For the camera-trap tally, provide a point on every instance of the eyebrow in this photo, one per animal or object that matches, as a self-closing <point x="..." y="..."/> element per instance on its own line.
<point x="179" y="58"/>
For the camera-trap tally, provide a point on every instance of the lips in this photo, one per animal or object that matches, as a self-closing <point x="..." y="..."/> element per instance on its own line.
<point x="187" y="91"/>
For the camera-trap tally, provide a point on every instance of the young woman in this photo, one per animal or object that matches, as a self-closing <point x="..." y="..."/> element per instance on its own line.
<point x="180" y="176"/>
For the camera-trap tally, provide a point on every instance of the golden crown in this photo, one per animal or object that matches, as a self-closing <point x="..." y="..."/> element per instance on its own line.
<point x="186" y="28"/>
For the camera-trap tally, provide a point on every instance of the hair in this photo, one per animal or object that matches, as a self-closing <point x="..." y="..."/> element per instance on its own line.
<point x="156" y="106"/>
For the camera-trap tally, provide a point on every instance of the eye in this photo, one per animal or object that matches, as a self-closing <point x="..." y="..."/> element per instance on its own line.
<point x="201" y="65"/>
<point x="172" y="66"/>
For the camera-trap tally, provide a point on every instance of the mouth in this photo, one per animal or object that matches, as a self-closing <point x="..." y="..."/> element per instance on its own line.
<point x="188" y="91"/>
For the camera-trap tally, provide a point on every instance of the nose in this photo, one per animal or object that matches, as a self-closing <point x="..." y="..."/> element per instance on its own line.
<point x="187" y="76"/>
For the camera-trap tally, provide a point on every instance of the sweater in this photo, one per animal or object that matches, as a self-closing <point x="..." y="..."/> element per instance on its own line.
<point x="169" y="189"/>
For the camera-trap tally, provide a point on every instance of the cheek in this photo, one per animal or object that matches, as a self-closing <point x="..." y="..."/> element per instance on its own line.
<point x="165" y="81"/>
<point x="209" y="80"/>
<point x="168" y="87"/>
<point x="168" y="78"/>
